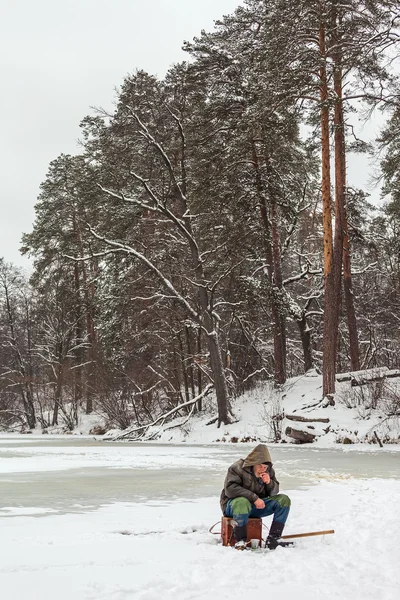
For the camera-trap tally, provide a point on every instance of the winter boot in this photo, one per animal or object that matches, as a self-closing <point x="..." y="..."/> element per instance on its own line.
<point x="240" y="534"/>
<point x="275" y="533"/>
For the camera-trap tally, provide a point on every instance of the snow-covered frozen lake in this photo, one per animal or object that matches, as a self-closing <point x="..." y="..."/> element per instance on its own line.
<point x="73" y="474"/>
<point x="87" y="519"/>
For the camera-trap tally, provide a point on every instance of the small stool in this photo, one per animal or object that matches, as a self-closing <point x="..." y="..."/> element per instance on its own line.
<point x="254" y="531"/>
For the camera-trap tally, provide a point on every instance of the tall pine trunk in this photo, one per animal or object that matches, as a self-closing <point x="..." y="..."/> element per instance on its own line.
<point x="88" y="292"/>
<point x="329" y="340"/>
<point x="279" y="315"/>
<point x="349" y="299"/>
<point x="79" y="352"/>
<point x="342" y="248"/>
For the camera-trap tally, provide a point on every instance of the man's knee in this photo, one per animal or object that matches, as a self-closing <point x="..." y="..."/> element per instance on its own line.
<point x="282" y="500"/>
<point x="240" y="506"/>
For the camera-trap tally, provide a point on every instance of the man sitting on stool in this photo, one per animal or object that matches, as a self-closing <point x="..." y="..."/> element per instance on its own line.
<point x="252" y="490"/>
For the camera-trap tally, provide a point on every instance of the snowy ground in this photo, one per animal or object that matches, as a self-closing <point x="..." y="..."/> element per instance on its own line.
<point x="88" y="520"/>
<point x="160" y="548"/>
<point x="171" y="555"/>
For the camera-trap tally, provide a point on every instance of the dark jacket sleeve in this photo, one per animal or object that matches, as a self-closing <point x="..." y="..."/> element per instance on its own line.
<point x="272" y="488"/>
<point x="233" y="486"/>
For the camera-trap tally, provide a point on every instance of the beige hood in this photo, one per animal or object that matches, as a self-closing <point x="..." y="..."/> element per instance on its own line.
<point x="259" y="455"/>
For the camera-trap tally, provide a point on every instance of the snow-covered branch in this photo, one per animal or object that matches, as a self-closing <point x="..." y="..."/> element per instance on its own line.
<point x="162" y="418"/>
<point x="119" y="247"/>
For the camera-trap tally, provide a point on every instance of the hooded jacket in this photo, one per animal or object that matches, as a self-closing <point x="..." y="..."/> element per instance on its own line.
<point x="241" y="481"/>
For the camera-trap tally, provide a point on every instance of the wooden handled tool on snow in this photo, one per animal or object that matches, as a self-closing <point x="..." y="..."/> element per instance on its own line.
<point x="309" y="534"/>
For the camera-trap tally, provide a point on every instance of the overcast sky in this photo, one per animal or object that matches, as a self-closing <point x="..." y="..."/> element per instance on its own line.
<point x="60" y="57"/>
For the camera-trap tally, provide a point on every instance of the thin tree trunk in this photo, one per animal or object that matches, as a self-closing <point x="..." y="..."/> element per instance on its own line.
<point x="79" y="353"/>
<point x="183" y="367"/>
<point x="199" y="371"/>
<point x="25" y="388"/>
<point x="190" y="360"/>
<point x="340" y="176"/>
<point x="342" y="248"/>
<point x="280" y="328"/>
<point x="272" y="256"/>
<point x="176" y="377"/>
<point x="29" y="384"/>
<point x="221" y="388"/>
<point x="90" y="352"/>
<point x="349" y="299"/>
<point x="329" y="340"/>
<point x="216" y="362"/>
<point x="57" y="394"/>
<point x="305" y="336"/>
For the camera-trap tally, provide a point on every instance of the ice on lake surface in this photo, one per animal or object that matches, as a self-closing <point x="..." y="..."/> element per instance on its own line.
<point x="74" y="474"/>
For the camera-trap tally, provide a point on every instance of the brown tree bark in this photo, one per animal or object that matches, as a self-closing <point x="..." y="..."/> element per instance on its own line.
<point x="329" y="343"/>
<point x="342" y="247"/>
<point x="280" y="329"/>
<point x="340" y="185"/>
<point x="337" y="253"/>
<point x="349" y="299"/>
<point x="199" y="371"/>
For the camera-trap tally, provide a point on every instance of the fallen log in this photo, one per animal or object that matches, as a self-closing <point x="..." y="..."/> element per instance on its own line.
<point x="343" y="377"/>
<point x="365" y="379"/>
<point x="364" y="374"/>
<point x="393" y="373"/>
<point x="307" y="419"/>
<point x="356" y="381"/>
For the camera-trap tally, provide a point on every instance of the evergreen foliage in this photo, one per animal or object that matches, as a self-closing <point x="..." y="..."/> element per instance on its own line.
<point x="185" y="244"/>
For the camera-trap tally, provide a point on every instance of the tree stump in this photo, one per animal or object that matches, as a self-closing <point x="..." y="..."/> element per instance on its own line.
<point x="300" y="437"/>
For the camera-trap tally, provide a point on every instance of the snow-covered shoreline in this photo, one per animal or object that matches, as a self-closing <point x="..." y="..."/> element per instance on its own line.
<point x="357" y="420"/>
<point x="321" y="444"/>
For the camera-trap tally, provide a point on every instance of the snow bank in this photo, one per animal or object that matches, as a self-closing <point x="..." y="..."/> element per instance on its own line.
<point x="351" y="419"/>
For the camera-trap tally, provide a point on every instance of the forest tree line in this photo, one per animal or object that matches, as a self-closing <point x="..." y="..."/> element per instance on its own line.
<point x="206" y="231"/>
